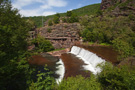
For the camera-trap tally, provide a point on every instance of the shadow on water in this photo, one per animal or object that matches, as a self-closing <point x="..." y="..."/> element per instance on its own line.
<point x="39" y="61"/>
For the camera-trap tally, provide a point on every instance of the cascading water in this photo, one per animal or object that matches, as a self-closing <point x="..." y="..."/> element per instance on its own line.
<point x="60" y="71"/>
<point x="91" y="59"/>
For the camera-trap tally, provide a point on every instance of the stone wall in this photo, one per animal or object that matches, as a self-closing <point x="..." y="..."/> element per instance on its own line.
<point x="62" y="35"/>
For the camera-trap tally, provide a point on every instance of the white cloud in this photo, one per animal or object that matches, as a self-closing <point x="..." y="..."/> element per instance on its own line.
<point x="36" y="12"/>
<point x="48" y="13"/>
<point x="30" y="12"/>
<point x="43" y="5"/>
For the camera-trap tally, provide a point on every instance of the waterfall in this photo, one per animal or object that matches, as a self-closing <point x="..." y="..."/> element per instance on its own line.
<point x="60" y="71"/>
<point x="89" y="58"/>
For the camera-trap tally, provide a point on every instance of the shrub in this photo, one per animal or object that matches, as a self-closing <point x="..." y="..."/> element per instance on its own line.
<point x="56" y="20"/>
<point x="114" y="78"/>
<point x="49" y="30"/>
<point x="44" y="81"/>
<point x="64" y="20"/>
<point x="124" y="48"/>
<point x="50" y="23"/>
<point x="69" y="13"/>
<point x="80" y="83"/>
<point x="43" y="44"/>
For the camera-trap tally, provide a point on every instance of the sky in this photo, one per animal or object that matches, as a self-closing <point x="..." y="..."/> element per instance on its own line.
<point x="48" y="7"/>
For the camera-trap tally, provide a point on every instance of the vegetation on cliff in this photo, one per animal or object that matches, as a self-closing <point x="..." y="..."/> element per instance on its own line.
<point x="42" y="45"/>
<point x="118" y="31"/>
<point x="87" y="10"/>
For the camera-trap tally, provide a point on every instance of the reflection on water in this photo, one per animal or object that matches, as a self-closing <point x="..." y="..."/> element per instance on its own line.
<point x="73" y="65"/>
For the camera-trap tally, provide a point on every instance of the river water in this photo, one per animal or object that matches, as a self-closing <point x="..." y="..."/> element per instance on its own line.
<point x="81" y="61"/>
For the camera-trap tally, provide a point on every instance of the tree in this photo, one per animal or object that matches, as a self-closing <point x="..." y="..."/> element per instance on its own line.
<point x="42" y="44"/>
<point x="73" y="18"/>
<point x="14" y="68"/>
<point x="50" y="23"/>
<point x="56" y="19"/>
<point x="69" y="13"/>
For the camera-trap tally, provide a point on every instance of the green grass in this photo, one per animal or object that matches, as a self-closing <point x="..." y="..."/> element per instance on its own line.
<point x="102" y="44"/>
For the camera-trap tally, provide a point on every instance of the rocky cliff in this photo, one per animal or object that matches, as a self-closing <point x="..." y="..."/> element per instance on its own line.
<point x="62" y="35"/>
<point x="108" y="3"/>
<point x="119" y="7"/>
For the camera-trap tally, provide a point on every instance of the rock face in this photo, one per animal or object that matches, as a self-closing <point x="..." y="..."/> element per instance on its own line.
<point x="107" y="3"/>
<point x="119" y="7"/>
<point x="62" y="35"/>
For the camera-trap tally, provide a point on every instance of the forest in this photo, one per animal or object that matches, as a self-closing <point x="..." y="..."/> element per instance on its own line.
<point x="17" y="74"/>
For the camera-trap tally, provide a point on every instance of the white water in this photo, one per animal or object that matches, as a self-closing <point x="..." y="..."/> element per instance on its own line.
<point x="60" y="71"/>
<point x="89" y="58"/>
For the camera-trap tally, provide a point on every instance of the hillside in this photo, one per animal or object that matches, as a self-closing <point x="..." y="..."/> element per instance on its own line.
<point x="86" y="10"/>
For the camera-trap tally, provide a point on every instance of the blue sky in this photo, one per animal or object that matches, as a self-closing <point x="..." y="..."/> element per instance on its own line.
<point x="49" y="7"/>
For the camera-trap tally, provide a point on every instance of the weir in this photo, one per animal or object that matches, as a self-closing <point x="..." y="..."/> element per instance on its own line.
<point x="74" y="66"/>
<point x="60" y="71"/>
<point x="90" y="59"/>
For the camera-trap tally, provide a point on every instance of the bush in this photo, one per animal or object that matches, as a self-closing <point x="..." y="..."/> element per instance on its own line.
<point x="64" y="20"/>
<point x="43" y="44"/>
<point x="74" y="18"/>
<point x="56" y="18"/>
<point x="44" y="81"/>
<point x="49" y="30"/>
<point x="123" y="48"/>
<point x="80" y="83"/>
<point x="50" y="23"/>
<point x="69" y="13"/>
<point x="114" y="78"/>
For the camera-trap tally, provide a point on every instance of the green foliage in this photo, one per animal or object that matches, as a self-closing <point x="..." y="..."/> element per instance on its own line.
<point x="87" y="10"/>
<point x="56" y="19"/>
<point x="42" y="44"/>
<point x="50" y="23"/>
<point x="80" y="83"/>
<point x="58" y="15"/>
<point x="114" y="78"/>
<point x="118" y="31"/>
<point x="43" y="82"/>
<point x="99" y="12"/>
<point x="69" y="13"/>
<point x="124" y="48"/>
<point x="111" y="78"/>
<point x="13" y="33"/>
<point x="37" y="20"/>
<point x="64" y="19"/>
<point x="132" y="17"/>
<point x="73" y="18"/>
<point x="49" y="30"/>
<point x="15" y="72"/>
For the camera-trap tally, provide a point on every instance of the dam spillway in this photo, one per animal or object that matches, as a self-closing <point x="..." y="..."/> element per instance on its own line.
<point x="90" y="59"/>
<point x="76" y="62"/>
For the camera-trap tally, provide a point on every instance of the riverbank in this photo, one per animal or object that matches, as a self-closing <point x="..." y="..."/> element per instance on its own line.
<point x="59" y="53"/>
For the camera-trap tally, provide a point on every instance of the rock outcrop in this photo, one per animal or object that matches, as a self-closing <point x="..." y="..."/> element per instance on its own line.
<point x="119" y="7"/>
<point x="108" y="3"/>
<point x="62" y="35"/>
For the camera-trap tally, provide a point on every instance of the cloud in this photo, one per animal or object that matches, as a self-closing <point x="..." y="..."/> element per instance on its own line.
<point x="53" y="3"/>
<point x="40" y="9"/>
<point x="36" y="12"/>
<point x="48" y="13"/>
